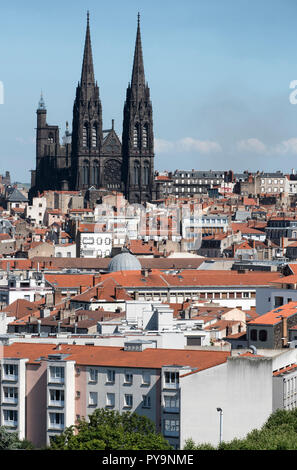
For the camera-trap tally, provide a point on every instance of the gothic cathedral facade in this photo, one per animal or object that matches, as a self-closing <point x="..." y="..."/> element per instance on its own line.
<point x="91" y="157"/>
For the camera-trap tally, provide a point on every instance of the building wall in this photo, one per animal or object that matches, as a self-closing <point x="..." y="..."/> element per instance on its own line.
<point x="265" y="298"/>
<point x="36" y="403"/>
<point x="245" y="396"/>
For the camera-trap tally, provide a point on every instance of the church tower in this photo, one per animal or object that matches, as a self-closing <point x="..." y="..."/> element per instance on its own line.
<point x="87" y="133"/>
<point x="138" y="138"/>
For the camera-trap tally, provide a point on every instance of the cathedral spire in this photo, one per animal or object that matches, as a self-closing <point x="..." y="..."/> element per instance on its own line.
<point x="87" y="73"/>
<point x="138" y="78"/>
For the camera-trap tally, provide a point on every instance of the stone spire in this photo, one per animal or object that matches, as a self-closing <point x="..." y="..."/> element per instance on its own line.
<point x="87" y="73"/>
<point x="138" y="77"/>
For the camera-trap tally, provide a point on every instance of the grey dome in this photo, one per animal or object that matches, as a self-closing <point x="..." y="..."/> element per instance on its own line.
<point x="124" y="261"/>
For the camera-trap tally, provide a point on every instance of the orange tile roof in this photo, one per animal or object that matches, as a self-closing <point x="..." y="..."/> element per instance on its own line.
<point x="285" y="370"/>
<point x="116" y="357"/>
<point x="69" y="280"/>
<point x="195" y="277"/>
<point x="274" y="316"/>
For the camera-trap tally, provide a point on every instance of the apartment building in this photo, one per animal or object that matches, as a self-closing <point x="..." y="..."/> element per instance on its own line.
<point x="49" y="387"/>
<point x="189" y="183"/>
<point x="71" y="381"/>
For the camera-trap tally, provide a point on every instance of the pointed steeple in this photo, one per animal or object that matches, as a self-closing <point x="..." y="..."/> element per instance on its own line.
<point x="41" y="103"/>
<point x="138" y="78"/>
<point x="87" y="73"/>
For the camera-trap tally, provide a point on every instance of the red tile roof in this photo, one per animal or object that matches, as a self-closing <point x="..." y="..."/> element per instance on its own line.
<point x="116" y="357"/>
<point x="274" y="316"/>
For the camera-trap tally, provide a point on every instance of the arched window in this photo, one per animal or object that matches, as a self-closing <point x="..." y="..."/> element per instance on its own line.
<point x="94" y="135"/>
<point x="136" y="173"/>
<point x="136" y="136"/>
<point x="86" y="173"/>
<point x="263" y="335"/>
<point x="145" y="136"/>
<point x="85" y="136"/>
<point x="145" y="173"/>
<point x="96" y="173"/>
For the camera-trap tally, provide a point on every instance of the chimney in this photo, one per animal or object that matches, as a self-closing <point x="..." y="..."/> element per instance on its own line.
<point x="96" y="279"/>
<point x="284" y="331"/>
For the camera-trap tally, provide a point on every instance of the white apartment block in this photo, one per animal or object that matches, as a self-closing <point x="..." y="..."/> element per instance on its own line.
<point x="94" y="244"/>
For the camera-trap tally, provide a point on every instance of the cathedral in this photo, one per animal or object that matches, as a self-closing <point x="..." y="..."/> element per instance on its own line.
<point x="91" y="157"/>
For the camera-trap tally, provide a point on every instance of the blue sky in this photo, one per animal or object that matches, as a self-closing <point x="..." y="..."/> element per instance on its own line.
<point x="219" y="73"/>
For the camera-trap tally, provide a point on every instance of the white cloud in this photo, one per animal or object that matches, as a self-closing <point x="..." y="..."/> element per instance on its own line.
<point x="287" y="146"/>
<point x="202" y="146"/>
<point x="252" y="145"/>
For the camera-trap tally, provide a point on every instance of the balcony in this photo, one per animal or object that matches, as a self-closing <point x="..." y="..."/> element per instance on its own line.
<point x="10" y="401"/>
<point x="10" y="424"/>
<point x="10" y="377"/>
<point x="56" y="403"/>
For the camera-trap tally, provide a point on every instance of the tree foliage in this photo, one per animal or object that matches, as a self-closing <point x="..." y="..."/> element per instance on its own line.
<point x="10" y="441"/>
<point x="278" y="433"/>
<point x="111" y="430"/>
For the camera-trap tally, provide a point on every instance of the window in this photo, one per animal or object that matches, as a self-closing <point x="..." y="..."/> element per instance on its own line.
<point x="110" y="376"/>
<point x="128" y="401"/>
<point x="92" y="375"/>
<point x="145" y="136"/>
<point x="96" y="173"/>
<point x="171" y="426"/>
<point x="136" y="173"/>
<point x="171" y="379"/>
<point x="94" y="136"/>
<point x="10" y="417"/>
<point x="171" y="402"/>
<point x="146" y="378"/>
<point x="56" y="397"/>
<point x="85" y="173"/>
<point x="135" y="136"/>
<point x="254" y="335"/>
<point x="99" y="241"/>
<point x="263" y="335"/>
<point x="245" y="295"/>
<point x="107" y="241"/>
<point x="10" y="371"/>
<point x="146" y="401"/>
<point x="56" y="420"/>
<point x="93" y="398"/>
<point x="146" y="173"/>
<point x="10" y="394"/>
<point x="128" y="378"/>
<point x="110" y="399"/>
<point x="85" y="136"/>
<point x="56" y="374"/>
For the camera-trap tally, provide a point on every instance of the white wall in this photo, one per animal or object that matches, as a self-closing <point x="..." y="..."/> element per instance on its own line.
<point x="242" y="387"/>
<point x="265" y="298"/>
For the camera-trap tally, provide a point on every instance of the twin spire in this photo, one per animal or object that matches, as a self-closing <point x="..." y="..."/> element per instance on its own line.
<point x="87" y="73"/>
<point x="138" y="77"/>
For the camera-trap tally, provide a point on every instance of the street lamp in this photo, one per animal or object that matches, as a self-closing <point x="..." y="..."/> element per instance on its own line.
<point x="221" y="422"/>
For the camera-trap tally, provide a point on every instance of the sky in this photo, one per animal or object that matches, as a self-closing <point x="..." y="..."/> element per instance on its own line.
<point x="219" y="73"/>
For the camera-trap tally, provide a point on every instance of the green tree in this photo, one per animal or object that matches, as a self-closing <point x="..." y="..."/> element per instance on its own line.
<point x="10" y="441"/>
<point x="111" y="430"/>
<point x="278" y="433"/>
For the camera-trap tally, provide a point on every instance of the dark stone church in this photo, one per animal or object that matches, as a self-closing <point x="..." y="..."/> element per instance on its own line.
<point x="91" y="157"/>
